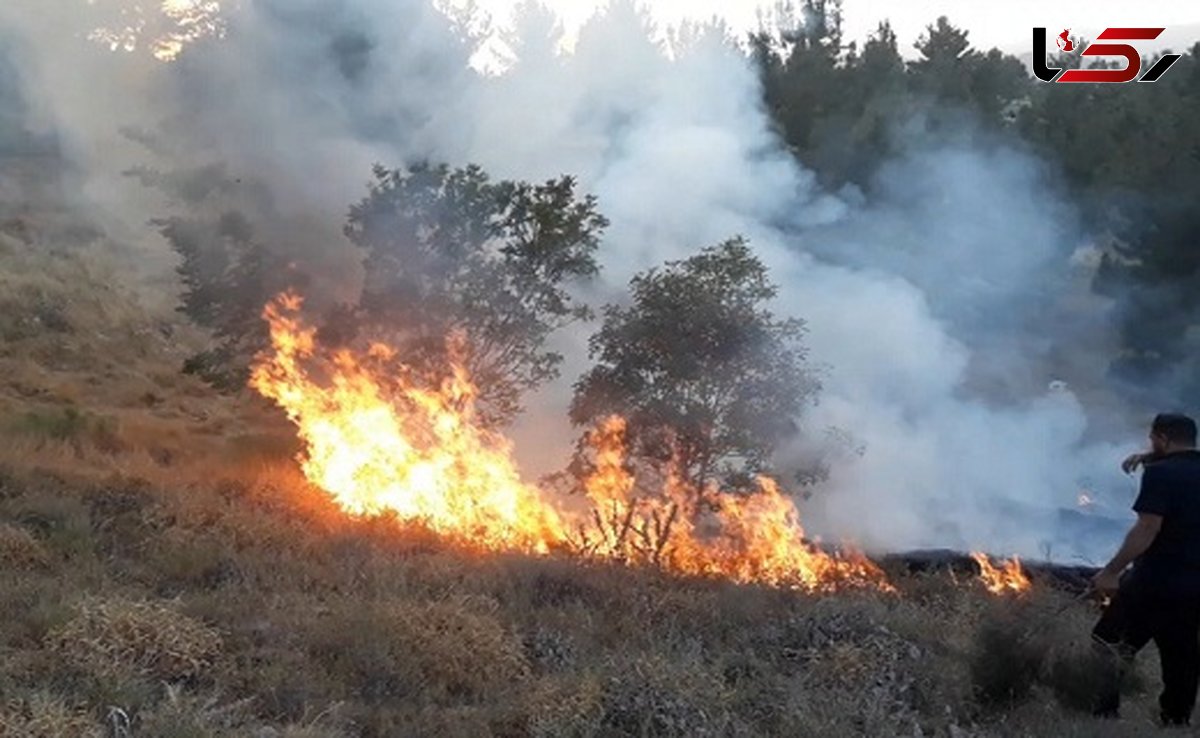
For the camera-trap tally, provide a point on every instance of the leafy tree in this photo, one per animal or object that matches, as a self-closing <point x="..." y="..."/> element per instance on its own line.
<point x="799" y="68"/>
<point x="1130" y="156"/>
<point x="228" y="273"/>
<point x="451" y="251"/>
<point x="950" y="71"/>
<point x="703" y="373"/>
<point x="228" y="276"/>
<point x="856" y="135"/>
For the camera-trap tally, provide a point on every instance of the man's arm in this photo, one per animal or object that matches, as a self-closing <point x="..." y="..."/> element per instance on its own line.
<point x="1137" y="541"/>
<point x="1133" y="461"/>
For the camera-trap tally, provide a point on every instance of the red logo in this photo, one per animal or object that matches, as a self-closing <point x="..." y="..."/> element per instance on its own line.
<point x="1133" y="59"/>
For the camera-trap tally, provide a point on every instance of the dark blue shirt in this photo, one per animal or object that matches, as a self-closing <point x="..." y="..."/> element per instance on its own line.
<point x="1171" y="488"/>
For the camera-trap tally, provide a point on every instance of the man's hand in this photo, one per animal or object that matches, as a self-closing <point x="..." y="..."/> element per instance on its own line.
<point x="1106" y="583"/>
<point x="1133" y="461"/>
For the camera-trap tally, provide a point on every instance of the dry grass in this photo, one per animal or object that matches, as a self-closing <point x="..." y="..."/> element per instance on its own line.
<point x="119" y="638"/>
<point x="20" y="550"/>
<point x="46" y="717"/>
<point x="165" y="569"/>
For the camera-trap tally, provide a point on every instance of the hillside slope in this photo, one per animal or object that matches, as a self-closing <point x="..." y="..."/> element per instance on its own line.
<point x="166" y="571"/>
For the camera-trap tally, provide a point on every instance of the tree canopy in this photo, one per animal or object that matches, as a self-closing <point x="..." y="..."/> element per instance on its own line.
<point x="705" y="375"/>
<point x="450" y="250"/>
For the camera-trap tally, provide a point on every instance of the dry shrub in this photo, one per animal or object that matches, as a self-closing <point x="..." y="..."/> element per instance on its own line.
<point x="1076" y="675"/>
<point x="565" y="707"/>
<point x="1005" y="660"/>
<point x="118" y="638"/>
<point x="655" y="697"/>
<point x="458" y="646"/>
<point x="20" y="550"/>
<point x="454" y="649"/>
<point x="46" y="717"/>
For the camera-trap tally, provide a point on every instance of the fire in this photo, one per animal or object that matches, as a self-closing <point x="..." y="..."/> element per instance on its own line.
<point x="744" y="537"/>
<point x="379" y="442"/>
<point x="1008" y="578"/>
<point x="382" y="444"/>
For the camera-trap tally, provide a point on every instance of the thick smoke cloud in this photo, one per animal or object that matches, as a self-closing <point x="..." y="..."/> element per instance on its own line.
<point x="961" y="352"/>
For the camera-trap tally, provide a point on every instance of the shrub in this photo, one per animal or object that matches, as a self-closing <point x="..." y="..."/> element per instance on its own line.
<point x="439" y="650"/>
<point x="116" y="638"/>
<point x="42" y="716"/>
<point x="20" y="550"/>
<point x="1005" y="660"/>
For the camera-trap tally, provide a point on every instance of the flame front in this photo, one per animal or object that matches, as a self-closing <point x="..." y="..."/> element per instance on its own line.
<point x="383" y="445"/>
<point x="378" y="442"/>
<point x="1008" y="578"/>
<point x="744" y="537"/>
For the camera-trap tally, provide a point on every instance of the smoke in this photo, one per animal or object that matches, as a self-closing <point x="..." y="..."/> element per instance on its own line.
<point x="961" y="351"/>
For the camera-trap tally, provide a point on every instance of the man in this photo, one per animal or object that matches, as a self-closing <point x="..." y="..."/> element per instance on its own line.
<point x="1159" y="599"/>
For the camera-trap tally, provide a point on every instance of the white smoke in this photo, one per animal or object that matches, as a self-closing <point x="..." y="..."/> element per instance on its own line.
<point x="944" y="308"/>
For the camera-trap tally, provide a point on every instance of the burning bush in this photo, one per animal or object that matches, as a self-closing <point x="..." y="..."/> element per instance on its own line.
<point x="117" y="638"/>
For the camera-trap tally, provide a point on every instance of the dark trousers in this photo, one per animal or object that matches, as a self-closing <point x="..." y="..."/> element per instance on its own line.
<point x="1133" y="619"/>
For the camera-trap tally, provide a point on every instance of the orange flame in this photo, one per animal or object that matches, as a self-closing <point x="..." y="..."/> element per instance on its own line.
<point x="382" y="444"/>
<point x="744" y="537"/>
<point x="1008" y="578"/>
<point x="378" y="442"/>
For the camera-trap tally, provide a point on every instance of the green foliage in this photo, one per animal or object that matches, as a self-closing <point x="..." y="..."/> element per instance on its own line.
<point x="1127" y="154"/>
<point x="699" y="367"/>
<point x="1130" y="154"/>
<point x="228" y="273"/>
<point x="228" y="277"/>
<point x="838" y="111"/>
<point x="453" y="252"/>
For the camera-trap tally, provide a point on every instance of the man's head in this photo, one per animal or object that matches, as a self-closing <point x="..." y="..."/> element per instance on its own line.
<point x="1172" y="432"/>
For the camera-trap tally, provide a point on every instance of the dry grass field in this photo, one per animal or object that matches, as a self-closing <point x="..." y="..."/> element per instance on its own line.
<point x="165" y="571"/>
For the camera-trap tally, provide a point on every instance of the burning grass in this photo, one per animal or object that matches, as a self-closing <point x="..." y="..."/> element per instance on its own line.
<point x="379" y="441"/>
<point x="190" y="580"/>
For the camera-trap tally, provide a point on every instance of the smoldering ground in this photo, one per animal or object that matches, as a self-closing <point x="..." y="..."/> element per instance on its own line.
<point x="949" y="315"/>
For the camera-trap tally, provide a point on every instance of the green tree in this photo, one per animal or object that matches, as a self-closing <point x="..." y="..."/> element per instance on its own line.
<point x="1131" y="157"/>
<point x="228" y="273"/>
<point x="704" y="374"/>
<point x="451" y="251"/>
<point x="950" y="71"/>
<point x="799" y="67"/>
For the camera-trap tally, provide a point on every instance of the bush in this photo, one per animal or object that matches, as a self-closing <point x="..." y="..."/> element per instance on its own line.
<point x="121" y="638"/>
<point x="45" y="717"/>
<point x="1005" y="660"/>
<point x="20" y="550"/>
<point x="436" y="650"/>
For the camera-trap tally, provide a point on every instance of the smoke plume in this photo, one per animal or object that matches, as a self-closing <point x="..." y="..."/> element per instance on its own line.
<point x="961" y="351"/>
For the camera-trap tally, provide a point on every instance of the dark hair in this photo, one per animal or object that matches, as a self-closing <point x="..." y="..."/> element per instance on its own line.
<point x="1175" y="427"/>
